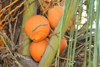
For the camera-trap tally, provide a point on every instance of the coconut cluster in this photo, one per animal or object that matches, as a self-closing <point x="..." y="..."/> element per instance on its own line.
<point x="38" y="33"/>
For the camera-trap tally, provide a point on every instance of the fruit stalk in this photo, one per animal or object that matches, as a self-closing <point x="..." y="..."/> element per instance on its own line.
<point x="29" y="12"/>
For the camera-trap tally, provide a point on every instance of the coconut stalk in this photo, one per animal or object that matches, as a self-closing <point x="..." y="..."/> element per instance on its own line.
<point x="63" y="23"/>
<point x="29" y="12"/>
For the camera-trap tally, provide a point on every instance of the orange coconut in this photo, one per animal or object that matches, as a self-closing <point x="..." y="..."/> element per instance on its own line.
<point x="37" y="49"/>
<point x="54" y="15"/>
<point x="63" y="45"/>
<point x="41" y="32"/>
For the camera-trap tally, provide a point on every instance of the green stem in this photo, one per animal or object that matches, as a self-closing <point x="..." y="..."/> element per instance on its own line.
<point x="29" y="12"/>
